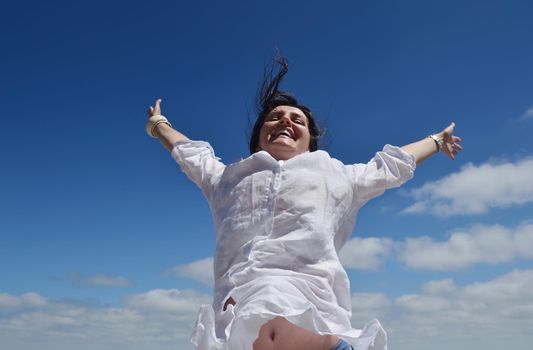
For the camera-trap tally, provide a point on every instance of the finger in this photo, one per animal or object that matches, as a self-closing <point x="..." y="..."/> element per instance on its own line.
<point x="157" y="108"/>
<point x="457" y="146"/>
<point x="150" y="111"/>
<point x="450" y="151"/>
<point x="456" y="139"/>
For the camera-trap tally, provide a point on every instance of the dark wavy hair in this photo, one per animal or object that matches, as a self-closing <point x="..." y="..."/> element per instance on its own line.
<point x="269" y="97"/>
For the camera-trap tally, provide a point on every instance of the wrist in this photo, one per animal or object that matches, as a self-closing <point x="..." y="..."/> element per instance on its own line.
<point x="154" y="123"/>
<point x="160" y="127"/>
<point x="438" y="140"/>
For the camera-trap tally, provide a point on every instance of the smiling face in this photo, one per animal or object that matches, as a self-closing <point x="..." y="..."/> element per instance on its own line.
<point x="285" y="133"/>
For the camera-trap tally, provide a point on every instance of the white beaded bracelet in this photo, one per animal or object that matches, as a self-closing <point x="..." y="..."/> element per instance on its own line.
<point x="153" y="121"/>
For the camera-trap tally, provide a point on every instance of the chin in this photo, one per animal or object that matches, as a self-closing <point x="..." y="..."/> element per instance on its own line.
<point x="283" y="154"/>
<point x="282" y="150"/>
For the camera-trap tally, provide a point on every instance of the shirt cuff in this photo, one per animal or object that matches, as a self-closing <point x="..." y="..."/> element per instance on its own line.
<point x="399" y="153"/>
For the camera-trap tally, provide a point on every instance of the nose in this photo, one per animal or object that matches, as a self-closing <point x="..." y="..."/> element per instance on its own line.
<point x="285" y="120"/>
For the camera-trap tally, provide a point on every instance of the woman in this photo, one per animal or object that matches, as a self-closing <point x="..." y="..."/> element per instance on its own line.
<point x="281" y="215"/>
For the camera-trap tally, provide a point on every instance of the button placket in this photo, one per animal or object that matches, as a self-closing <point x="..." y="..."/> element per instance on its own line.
<point x="276" y="185"/>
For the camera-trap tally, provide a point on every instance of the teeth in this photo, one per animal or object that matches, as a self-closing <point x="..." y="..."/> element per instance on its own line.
<point x="283" y="132"/>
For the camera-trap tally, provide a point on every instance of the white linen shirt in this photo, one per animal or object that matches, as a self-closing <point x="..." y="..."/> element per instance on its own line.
<point x="279" y="227"/>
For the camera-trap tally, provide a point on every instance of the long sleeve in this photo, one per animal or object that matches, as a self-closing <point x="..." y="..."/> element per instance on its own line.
<point x="198" y="161"/>
<point x="389" y="168"/>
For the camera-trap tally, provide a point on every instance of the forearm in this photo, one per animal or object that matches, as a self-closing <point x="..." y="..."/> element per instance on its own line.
<point x="168" y="136"/>
<point x="422" y="149"/>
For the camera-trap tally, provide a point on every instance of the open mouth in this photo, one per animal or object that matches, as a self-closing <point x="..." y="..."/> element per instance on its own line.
<point x="282" y="133"/>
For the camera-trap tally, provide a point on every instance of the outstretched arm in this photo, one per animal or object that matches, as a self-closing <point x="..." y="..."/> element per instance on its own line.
<point x="427" y="147"/>
<point x="164" y="132"/>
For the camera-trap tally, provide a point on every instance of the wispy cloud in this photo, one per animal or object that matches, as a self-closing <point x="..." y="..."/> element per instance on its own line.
<point x="476" y="189"/>
<point x="171" y="301"/>
<point x="199" y="270"/>
<point x="365" y="253"/>
<point x="27" y="300"/>
<point x="480" y="315"/>
<point x="97" y="280"/>
<point x="527" y="114"/>
<point x="443" y="315"/>
<point x="157" y="319"/>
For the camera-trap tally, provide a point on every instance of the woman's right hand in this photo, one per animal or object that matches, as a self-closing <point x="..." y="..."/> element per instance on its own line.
<point x="156" y="110"/>
<point x="164" y="132"/>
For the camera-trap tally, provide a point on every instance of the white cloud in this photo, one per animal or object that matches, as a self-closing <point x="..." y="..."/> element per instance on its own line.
<point x="475" y="189"/>
<point x="26" y="300"/>
<point x="166" y="301"/>
<point x="479" y="244"/>
<point x="199" y="270"/>
<point x="444" y="286"/>
<point x="481" y="315"/>
<point x="485" y="315"/>
<point x="365" y="253"/>
<point x="97" y="280"/>
<point x="502" y="305"/>
<point x="157" y="319"/>
<point x="488" y="315"/>
<point x="422" y="303"/>
<point x="527" y="114"/>
<point x="513" y="287"/>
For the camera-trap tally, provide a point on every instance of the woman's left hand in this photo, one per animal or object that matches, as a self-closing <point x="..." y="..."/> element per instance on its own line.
<point x="450" y="144"/>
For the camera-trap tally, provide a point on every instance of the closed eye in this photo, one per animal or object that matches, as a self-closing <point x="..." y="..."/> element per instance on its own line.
<point x="274" y="116"/>
<point x="297" y="118"/>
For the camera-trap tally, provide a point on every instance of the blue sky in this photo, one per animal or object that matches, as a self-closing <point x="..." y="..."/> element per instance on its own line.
<point x="98" y="221"/>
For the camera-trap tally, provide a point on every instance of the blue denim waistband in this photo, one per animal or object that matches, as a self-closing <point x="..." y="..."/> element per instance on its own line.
<point x="342" y="345"/>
